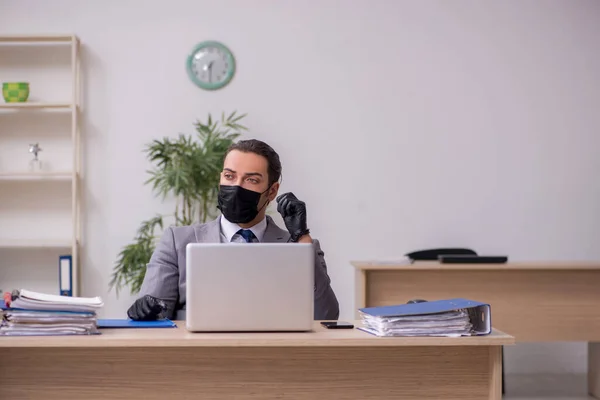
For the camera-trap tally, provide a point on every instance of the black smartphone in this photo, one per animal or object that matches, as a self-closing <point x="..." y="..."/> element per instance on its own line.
<point x="337" y="325"/>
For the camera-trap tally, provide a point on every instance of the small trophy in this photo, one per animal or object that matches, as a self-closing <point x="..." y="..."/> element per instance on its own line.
<point x="35" y="165"/>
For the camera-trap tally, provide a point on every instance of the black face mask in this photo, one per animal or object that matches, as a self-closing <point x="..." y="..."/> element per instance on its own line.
<point x="237" y="204"/>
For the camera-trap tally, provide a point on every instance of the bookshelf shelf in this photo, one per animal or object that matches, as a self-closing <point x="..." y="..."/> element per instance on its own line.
<point x="66" y="39"/>
<point x="45" y="176"/>
<point x="36" y="244"/>
<point x="36" y="106"/>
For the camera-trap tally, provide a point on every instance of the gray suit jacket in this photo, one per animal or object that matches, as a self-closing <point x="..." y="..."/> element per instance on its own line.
<point x="165" y="273"/>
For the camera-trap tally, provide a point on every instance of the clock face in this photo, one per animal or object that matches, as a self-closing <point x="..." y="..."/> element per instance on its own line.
<point x="211" y="65"/>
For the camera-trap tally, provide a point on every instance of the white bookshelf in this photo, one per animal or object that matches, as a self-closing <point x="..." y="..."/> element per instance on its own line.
<point x="17" y="181"/>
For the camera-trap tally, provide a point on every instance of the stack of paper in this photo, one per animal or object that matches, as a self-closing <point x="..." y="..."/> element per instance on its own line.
<point x="455" y="323"/>
<point x="32" y="313"/>
<point x="450" y="318"/>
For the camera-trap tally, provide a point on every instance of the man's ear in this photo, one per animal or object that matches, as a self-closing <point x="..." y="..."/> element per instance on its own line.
<point x="273" y="191"/>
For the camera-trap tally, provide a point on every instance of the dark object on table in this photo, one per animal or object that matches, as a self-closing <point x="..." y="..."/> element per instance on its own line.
<point x="472" y="259"/>
<point x="434" y="254"/>
<point x="337" y="325"/>
<point x="414" y="301"/>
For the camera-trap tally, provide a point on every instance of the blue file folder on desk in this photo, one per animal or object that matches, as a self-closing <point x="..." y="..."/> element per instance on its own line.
<point x="435" y="315"/>
<point x="129" y="323"/>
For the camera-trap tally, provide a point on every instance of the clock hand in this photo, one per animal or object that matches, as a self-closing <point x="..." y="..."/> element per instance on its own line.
<point x="210" y="65"/>
<point x="208" y="68"/>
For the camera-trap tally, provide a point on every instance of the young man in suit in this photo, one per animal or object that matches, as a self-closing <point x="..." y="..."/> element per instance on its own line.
<point x="249" y="182"/>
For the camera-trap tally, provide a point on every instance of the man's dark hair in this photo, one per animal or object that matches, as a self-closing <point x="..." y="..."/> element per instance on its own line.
<point x="262" y="149"/>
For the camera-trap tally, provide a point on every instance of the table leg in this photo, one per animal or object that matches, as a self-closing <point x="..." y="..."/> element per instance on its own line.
<point x="495" y="362"/>
<point x="594" y="369"/>
<point x="503" y="377"/>
<point x="360" y="287"/>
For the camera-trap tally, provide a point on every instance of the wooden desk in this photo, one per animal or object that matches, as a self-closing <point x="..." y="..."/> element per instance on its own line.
<point x="534" y="302"/>
<point x="175" y="364"/>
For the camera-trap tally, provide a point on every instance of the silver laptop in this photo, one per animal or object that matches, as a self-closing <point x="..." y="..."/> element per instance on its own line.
<point x="249" y="287"/>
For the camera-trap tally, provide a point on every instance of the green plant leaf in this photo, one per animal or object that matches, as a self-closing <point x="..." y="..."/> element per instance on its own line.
<point x="130" y="267"/>
<point x="186" y="168"/>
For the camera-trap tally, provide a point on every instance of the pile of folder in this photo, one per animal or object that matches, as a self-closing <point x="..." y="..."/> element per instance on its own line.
<point x="28" y="313"/>
<point x="450" y="318"/>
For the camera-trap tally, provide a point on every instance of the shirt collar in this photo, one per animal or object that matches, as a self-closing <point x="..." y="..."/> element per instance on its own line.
<point x="229" y="229"/>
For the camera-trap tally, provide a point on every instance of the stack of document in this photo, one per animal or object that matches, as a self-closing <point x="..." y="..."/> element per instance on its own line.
<point x="450" y="318"/>
<point x="32" y="313"/>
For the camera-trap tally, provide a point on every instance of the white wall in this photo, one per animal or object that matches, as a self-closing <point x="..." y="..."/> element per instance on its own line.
<point x="402" y="124"/>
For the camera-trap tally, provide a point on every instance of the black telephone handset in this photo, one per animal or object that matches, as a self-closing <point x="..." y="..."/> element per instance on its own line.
<point x="435" y="253"/>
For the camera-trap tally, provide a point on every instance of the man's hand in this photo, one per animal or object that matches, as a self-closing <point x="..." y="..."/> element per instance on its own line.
<point x="147" y="308"/>
<point x="293" y="212"/>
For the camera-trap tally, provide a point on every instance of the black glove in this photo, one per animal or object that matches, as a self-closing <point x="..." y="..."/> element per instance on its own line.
<point x="293" y="212"/>
<point x="147" y="308"/>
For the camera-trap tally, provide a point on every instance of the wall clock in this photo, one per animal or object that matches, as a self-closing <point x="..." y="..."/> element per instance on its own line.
<point x="211" y="65"/>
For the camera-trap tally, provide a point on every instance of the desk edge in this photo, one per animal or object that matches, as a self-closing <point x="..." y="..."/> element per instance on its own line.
<point x="514" y="266"/>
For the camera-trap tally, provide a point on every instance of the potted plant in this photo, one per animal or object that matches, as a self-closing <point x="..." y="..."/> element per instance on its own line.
<point x="187" y="168"/>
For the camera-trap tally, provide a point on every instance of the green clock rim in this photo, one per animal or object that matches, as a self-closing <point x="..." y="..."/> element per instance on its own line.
<point x="230" y="71"/>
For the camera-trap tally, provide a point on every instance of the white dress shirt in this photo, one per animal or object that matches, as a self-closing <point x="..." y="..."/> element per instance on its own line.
<point x="229" y="231"/>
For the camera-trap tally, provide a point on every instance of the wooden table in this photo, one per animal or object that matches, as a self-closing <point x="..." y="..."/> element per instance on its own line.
<point x="534" y="302"/>
<point x="323" y="364"/>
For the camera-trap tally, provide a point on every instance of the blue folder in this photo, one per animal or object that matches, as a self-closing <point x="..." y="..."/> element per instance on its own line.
<point x="479" y="312"/>
<point x="129" y="323"/>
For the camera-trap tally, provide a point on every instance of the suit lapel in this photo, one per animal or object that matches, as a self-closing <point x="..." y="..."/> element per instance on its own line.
<point x="209" y="232"/>
<point x="273" y="233"/>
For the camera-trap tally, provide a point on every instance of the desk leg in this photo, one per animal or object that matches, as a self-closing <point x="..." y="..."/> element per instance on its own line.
<point x="495" y="373"/>
<point x="503" y="375"/>
<point x="360" y="286"/>
<point x="594" y="369"/>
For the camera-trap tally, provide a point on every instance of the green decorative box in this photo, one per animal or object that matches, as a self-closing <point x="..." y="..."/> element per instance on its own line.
<point x="15" y="92"/>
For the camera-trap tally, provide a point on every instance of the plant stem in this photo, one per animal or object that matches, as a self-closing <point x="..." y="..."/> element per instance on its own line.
<point x="189" y="206"/>
<point x="204" y="207"/>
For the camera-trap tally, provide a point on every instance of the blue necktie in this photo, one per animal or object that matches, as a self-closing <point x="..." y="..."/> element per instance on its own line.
<point x="247" y="235"/>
